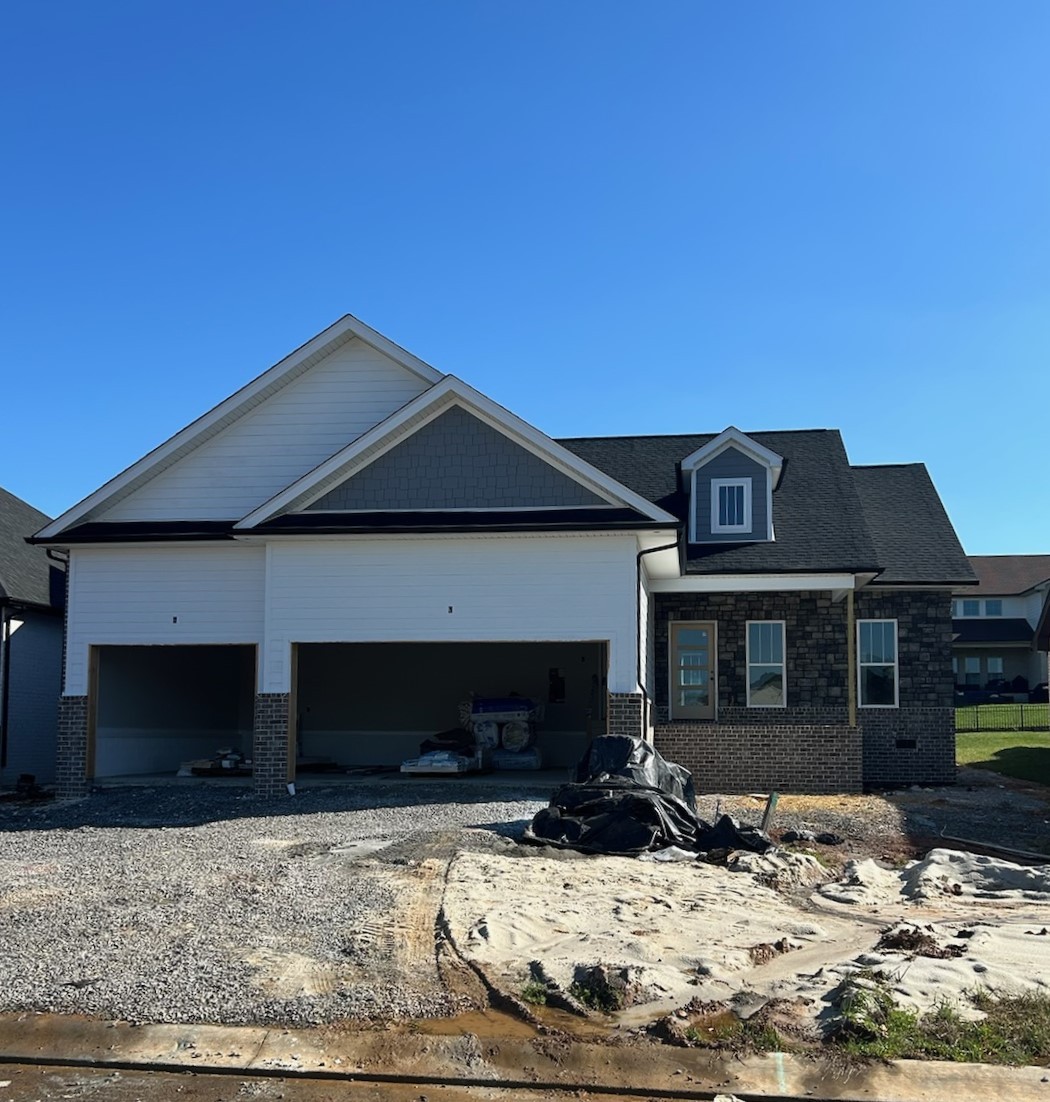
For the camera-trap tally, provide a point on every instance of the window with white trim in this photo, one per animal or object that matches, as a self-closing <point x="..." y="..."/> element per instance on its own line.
<point x="993" y="608"/>
<point x="877" y="663"/>
<point x="971" y="608"/>
<point x="731" y="505"/>
<point x="766" y="682"/>
<point x="996" y="668"/>
<point x="972" y="670"/>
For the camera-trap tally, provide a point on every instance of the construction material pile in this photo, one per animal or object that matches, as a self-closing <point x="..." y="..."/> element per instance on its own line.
<point x="627" y="800"/>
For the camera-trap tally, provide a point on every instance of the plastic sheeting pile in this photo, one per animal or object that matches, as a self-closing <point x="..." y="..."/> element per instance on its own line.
<point x="627" y="800"/>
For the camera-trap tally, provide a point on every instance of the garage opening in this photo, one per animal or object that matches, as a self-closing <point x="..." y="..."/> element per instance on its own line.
<point x="157" y="707"/>
<point x="373" y="704"/>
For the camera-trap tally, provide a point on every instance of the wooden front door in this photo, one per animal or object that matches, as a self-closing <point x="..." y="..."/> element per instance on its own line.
<point x="693" y="672"/>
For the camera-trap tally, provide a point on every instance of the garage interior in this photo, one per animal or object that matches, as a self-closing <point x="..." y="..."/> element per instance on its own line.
<point x="158" y="706"/>
<point x="372" y="704"/>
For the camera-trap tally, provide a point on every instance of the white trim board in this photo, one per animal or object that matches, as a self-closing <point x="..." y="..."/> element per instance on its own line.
<point x="752" y="583"/>
<point x="419" y="412"/>
<point x="228" y="411"/>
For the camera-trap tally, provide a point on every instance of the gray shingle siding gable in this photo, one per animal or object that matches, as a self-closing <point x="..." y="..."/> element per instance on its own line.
<point x="732" y="463"/>
<point x="457" y="461"/>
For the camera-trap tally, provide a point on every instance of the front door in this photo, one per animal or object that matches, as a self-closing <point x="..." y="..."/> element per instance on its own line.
<point x="692" y="670"/>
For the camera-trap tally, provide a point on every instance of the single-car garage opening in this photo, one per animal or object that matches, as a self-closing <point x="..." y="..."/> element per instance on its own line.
<point x="372" y="704"/>
<point x="157" y="707"/>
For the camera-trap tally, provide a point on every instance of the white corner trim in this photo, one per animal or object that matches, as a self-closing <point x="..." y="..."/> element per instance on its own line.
<point x="423" y="409"/>
<point x="744" y="529"/>
<point x="226" y="411"/>
<point x="752" y="583"/>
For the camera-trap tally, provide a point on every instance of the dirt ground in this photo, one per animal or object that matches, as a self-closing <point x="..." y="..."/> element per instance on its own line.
<point x="416" y="957"/>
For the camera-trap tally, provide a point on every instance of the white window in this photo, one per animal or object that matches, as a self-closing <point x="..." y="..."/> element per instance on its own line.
<point x="995" y="668"/>
<point x="877" y="663"/>
<point x="993" y="608"/>
<point x="971" y="671"/>
<point x="971" y="608"/>
<point x="766" y="685"/>
<point x="955" y="608"/>
<point x="955" y="667"/>
<point x="731" y="505"/>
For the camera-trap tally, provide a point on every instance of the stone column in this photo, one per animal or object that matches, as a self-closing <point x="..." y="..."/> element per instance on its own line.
<point x="270" y="744"/>
<point x="71" y="762"/>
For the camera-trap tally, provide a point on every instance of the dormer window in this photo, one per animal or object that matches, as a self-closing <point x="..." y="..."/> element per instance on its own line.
<point x="730" y="481"/>
<point x="731" y="505"/>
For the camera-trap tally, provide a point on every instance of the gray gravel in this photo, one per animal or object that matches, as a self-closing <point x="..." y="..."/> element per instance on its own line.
<point x="195" y="904"/>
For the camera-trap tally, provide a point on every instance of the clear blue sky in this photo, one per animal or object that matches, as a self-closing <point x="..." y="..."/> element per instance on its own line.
<point x="612" y="218"/>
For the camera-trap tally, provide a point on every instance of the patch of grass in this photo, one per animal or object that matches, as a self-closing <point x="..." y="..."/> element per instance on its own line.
<point x="597" y="997"/>
<point x="729" y="1032"/>
<point x="1024" y="755"/>
<point x="1015" y="1031"/>
<point x="535" y="993"/>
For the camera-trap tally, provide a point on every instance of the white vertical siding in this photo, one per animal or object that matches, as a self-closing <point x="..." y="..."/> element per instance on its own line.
<point x="469" y="589"/>
<point x="163" y="594"/>
<point x="282" y="439"/>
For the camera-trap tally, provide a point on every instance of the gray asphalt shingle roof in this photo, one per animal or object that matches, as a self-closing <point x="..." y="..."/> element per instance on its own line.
<point x="827" y="515"/>
<point x="25" y="572"/>
<point x="914" y="539"/>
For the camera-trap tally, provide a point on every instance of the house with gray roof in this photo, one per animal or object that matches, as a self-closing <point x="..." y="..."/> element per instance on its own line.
<point x="32" y="595"/>
<point x="326" y="565"/>
<point x="996" y="643"/>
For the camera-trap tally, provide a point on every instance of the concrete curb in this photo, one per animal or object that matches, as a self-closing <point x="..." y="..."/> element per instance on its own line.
<point x="545" y="1061"/>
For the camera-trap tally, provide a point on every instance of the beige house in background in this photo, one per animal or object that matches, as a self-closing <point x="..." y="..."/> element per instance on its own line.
<point x="995" y="624"/>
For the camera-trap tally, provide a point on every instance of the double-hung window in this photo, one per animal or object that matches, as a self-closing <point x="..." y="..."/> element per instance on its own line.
<point x="877" y="663"/>
<point x="731" y="505"/>
<point x="766" y="684"/>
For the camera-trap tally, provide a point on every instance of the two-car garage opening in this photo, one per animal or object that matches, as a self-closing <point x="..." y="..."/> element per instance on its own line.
<point x="354" y="704"/>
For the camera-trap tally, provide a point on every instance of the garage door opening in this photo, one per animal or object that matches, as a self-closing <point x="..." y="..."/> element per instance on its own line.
<point x="372" y="704"/>
<point x="157" y="707"/>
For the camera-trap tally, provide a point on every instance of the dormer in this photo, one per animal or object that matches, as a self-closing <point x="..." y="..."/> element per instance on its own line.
<point x="731" y="480"/>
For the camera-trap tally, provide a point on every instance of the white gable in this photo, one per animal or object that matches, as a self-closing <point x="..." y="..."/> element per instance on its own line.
<point x="288" y="434"/>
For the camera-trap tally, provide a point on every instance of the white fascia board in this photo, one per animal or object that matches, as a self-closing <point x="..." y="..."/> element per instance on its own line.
<point x="423" y="409"/>
<point x="733" y="437"/>
<point x="752" y="583"/>
<point x="338" y="333"/>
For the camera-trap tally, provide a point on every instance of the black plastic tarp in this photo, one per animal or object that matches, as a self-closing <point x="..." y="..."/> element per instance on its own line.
<point x="627" y="800"/>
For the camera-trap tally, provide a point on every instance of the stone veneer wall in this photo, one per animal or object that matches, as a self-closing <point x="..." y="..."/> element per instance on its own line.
<point x="270" y="744"/>
<point x="809" y="746"/>
<point x="71" y="777"/>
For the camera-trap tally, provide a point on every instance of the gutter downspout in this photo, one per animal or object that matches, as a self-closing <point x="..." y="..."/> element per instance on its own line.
<point x="851" y="660"/>
<point x="646" y="702"/>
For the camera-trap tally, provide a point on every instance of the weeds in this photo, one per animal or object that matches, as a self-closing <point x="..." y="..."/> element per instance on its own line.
<point x="534" y="993"/>
<point x="1015" y="1029"/>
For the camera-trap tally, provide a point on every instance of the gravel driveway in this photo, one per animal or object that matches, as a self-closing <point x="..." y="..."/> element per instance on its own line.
<point x="204" y="904"/>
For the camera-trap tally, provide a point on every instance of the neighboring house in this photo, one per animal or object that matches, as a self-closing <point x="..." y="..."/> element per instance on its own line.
<point x="32" y="596"/>
<point x="326" y="564"/>
<point x="994" y="624"/>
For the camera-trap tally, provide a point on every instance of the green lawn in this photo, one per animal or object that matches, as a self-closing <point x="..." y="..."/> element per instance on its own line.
<point x="1002" y="717"/>
<point x="1021" y="754"/>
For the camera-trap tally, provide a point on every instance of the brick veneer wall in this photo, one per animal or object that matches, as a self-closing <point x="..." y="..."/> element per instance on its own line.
<point x="784" y="757"/>
<point x="270" y="744"/>
<point x="71" y="777"/>
<point x="809" y="746"/>
<point x="624" y="715"/>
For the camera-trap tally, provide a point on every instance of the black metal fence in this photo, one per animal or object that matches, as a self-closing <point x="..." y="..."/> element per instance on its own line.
<point x="1003" y="717"/>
